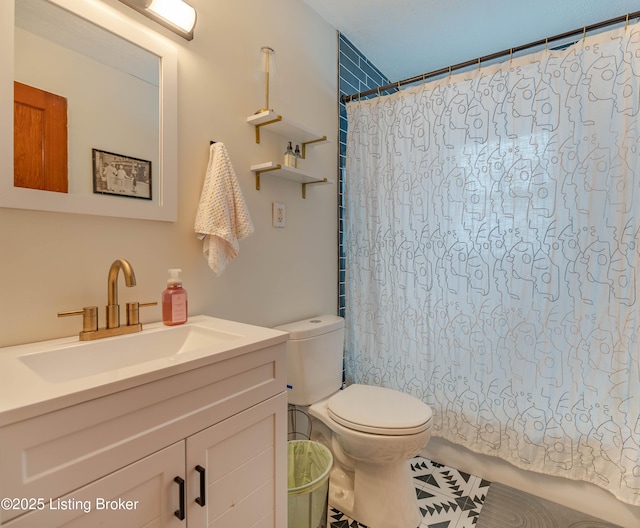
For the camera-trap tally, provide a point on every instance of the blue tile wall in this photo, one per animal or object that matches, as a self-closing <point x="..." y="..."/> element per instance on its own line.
<point x="356" y="74"/>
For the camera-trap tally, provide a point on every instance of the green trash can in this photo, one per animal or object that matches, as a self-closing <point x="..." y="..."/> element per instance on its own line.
<point x="309" y="464"/>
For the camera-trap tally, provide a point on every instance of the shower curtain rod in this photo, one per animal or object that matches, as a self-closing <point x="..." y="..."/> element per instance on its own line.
<point x="480" y="60"/>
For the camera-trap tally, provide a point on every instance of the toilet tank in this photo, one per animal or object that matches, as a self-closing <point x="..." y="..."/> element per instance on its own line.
<point x="314" y="358"/>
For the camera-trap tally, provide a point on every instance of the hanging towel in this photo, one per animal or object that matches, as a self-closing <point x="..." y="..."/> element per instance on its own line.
<point x="223" y="218"/>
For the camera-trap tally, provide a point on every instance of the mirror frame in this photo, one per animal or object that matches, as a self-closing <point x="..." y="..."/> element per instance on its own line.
<point x="165" y="208"/>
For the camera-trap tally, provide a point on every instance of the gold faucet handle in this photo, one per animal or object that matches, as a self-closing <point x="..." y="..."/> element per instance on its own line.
<point x="89" y="317"/>
<point x="133" y="311"/>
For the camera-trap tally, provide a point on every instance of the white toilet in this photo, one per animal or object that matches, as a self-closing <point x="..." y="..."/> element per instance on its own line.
<point x="371" y="431"/>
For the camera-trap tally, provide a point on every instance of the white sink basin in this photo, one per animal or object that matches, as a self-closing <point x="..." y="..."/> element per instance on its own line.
<point x="41" y="377"/>
<point x="87" y="358"/>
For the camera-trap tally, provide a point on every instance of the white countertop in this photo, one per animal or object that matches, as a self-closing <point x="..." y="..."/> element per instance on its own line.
<point x="24" y="393"/>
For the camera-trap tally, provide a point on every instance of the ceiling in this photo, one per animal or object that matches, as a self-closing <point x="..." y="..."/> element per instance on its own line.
<point x="406" y="38"/>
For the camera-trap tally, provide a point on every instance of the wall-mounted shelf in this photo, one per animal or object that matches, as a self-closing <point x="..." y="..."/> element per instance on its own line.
<point x="288" y="173"/>
<point x="290" y="131"/>
<point x="286" y="128"/>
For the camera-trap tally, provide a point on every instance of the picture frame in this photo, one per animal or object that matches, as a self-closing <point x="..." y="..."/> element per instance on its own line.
<point x="121" y="175"/>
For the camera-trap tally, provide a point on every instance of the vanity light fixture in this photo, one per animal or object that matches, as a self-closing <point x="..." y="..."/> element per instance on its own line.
<point x="176" y="15"/>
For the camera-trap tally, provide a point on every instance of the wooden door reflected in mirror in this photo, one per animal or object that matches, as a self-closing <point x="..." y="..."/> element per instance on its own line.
<point x="40" y="139"/>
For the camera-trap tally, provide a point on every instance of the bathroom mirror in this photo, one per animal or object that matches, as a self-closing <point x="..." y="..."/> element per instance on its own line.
<point x="120" y="80"/>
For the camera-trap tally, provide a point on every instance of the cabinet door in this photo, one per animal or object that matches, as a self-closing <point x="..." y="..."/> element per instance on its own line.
<point x="143" y="494"/>
<point x="245" y="464"/>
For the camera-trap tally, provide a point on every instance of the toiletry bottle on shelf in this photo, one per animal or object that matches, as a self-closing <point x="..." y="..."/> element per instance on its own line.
<point x="174" y="300"/>
<point x="298" y="157"/>
<point x="289" y="157"/>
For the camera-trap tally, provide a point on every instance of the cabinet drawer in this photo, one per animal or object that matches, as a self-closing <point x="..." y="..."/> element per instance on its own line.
<point x="59" y="452"/>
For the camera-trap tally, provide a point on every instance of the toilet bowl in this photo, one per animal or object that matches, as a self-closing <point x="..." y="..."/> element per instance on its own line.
<point x="372" y="432"/>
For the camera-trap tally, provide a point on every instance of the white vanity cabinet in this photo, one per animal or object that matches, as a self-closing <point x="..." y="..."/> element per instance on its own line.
<point x="142" y="494"/>
<point x="224" y="420"/>
<point x="239" y="459"/>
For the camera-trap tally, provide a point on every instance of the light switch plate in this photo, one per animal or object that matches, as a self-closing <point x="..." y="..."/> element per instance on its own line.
<point x="279" y="214"/>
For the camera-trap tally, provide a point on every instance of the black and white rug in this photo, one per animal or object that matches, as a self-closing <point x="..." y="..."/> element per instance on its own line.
<point x="449" y="498"/>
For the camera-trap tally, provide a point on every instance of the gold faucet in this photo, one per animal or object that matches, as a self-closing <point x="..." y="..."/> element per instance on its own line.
<point x="89" y="314"/>
<point x="113" y="308"/>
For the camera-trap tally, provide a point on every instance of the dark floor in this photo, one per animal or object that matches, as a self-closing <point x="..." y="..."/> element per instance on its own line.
<point x="449" y="498"/>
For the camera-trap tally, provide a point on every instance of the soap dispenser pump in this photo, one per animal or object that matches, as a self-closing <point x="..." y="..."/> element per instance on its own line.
<point x="298" y="157"/>
<point x="174" y="300"/>
<point x="289" y="156"/>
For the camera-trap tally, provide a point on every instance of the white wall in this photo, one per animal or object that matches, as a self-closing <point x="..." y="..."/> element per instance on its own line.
<point x="51" y="262"/>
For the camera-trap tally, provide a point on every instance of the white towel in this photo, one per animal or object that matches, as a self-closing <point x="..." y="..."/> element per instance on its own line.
<point x="223" y="218"/>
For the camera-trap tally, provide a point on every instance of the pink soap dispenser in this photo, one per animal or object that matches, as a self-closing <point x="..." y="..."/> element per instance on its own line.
<point x="174" y="300"/>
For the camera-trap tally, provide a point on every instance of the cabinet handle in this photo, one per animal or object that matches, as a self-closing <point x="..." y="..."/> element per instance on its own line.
<point x="203" y="486"/>
<point x="179" y="513"/>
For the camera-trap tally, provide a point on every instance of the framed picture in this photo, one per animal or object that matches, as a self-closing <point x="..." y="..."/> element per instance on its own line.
<point x="121" y="175"/>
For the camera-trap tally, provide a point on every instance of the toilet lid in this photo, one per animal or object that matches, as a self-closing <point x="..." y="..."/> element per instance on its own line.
<point x="378" y="410"/>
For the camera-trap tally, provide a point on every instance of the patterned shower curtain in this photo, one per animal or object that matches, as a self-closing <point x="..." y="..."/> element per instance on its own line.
<point x="493" y="252"/>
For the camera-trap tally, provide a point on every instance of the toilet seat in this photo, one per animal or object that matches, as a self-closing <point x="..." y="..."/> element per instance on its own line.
<point x="378" y="410"/>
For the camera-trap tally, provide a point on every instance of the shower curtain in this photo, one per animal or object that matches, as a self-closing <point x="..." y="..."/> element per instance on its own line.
<point x="493" y="249"/>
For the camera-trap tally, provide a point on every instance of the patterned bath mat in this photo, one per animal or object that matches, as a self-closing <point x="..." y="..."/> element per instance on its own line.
<point x="447" y="498"/>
